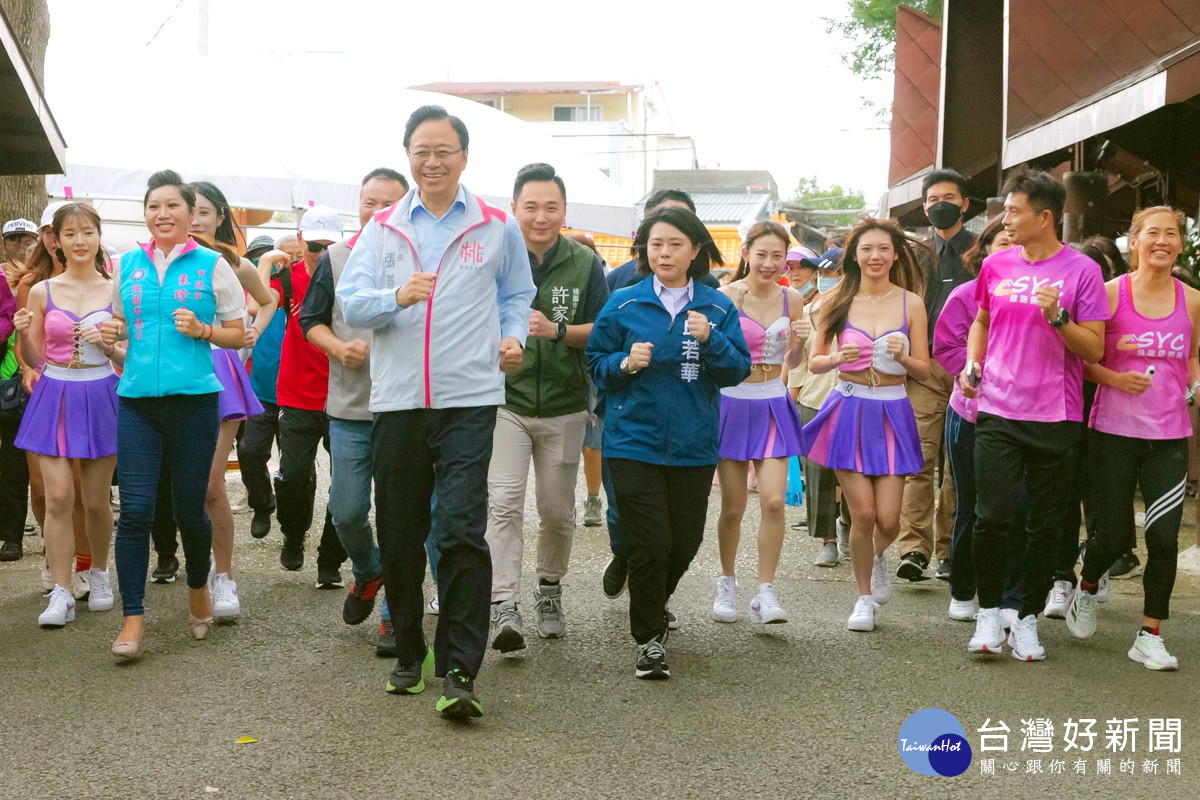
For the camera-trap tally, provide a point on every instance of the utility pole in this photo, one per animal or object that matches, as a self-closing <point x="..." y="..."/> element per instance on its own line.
<point x="202" y="33"/>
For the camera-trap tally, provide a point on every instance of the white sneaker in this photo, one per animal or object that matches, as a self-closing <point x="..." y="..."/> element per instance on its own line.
<point x="881" y="580"/>
<point x="1058" y="600"/>
<point x="989" y="633"/>
<point x="1149" y="651"/>
<point x="765" y="609"/>
<point x="59" y="611"/>
<point x="100" y="593"/>
<point x="79" y="585"/>
<point x="1081" y="614"/>
<point x="47" y="581"/>
<point x="725" y="606"/>
<point x="1008" y="618"/>
<point x="225" y="601"/>
<point x="863" y="616"/>
<point x="241" y="506"/>
<point x="962" y="610"/>
<point x="1023" y="639"/>
<point x="1102" y="589"/>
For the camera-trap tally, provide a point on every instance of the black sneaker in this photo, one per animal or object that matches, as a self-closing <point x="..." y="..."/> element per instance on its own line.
<point x="329" y="577"/>
<point x="913" y="567"/>
<point x="943" y="570"/>
<point x="165" y="570"/>
<point x="360" y="602"/>
<point x="410" y="679"/>
<point x="616" y="576"/>
<point x="1126" y="566"/>
<point x="291" y="556"/>
<point x="458" y="698"/>
<point x="260" y="524"/>
<point x="652" y="661"/>
<point x="386" y="646"/>
<point x="11" y="551"/>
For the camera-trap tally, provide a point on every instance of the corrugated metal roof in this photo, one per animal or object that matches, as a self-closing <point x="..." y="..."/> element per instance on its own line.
<point x="715" y="180"/>
<point x="539" y="87"/>
<point x="730" y="207"/>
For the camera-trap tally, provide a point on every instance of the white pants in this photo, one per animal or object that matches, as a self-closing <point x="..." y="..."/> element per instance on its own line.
<point x="554" y="445"/>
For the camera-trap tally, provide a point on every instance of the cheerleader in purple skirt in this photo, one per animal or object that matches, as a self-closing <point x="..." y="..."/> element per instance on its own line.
<point x="759" y="421"/>
<point x="72" y="413"/>
<point x="214" y="224"/>
<point x="874" y="332"/>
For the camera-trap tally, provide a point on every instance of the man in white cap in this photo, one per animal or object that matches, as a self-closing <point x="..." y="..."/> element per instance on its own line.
<point x="300" y="393"/>
<point x="19" y="236"/>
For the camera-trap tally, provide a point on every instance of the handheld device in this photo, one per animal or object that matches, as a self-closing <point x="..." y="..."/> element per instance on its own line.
<point x="1150" y="371"/>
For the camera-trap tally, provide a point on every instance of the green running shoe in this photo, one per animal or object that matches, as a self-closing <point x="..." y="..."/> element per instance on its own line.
<point x="458" y="696"/>
<point x="410" y="679"/>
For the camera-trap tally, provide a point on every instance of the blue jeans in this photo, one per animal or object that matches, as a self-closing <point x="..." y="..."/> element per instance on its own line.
<point x="350" y="499"/>
<point x="613" y="518"/>
<point x="178" y="434"/>
<point x="350" y="494"/>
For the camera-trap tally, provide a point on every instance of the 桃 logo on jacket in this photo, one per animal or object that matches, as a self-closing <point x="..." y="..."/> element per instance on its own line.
<point x="471" y="255"/>
<point x="933" y="742"/>
<point x="1019" y="290"/>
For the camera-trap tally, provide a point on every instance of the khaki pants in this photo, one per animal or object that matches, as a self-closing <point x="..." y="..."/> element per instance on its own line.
<point x="917" y="533"/>
<point x="554" y="445"/>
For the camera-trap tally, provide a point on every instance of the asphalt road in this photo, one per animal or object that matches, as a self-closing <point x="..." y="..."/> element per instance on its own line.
<point x="806" y="709"/>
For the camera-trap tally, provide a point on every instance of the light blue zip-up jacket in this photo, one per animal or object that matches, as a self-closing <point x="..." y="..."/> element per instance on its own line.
<point x="444" y="352"/>
<point x="162" y="361"/>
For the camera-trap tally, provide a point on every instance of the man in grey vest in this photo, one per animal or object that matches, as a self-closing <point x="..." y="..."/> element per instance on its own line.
<point x="349" y="418"/>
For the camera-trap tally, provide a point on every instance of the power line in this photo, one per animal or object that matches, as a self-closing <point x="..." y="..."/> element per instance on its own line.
<point x="164" y="23"/>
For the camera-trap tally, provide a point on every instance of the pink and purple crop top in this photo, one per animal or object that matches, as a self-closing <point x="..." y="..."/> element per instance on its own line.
<point x="768" y="344"/>
<point x="64" y="346"/>
<point x="873" y="351"/>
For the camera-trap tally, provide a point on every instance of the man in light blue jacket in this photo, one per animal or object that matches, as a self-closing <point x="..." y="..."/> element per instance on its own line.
<point x="442" y="281"/>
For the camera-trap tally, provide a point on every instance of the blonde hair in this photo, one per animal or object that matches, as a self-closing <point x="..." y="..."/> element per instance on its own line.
<point x="1139" y="221"/>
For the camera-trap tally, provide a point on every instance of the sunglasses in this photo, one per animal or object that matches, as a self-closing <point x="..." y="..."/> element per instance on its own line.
<point x="317" y="247"/>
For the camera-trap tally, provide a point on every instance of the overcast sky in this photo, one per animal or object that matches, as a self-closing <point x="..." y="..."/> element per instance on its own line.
<point x="758" y="87"/>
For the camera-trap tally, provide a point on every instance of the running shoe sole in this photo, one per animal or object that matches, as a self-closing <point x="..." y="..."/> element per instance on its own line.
<point x="656" y="673"/>
<point x="508" y="641"/>
<point x="465" y="707"/>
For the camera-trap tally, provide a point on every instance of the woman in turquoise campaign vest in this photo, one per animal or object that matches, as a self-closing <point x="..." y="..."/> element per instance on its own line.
<point x="172" y="300"/>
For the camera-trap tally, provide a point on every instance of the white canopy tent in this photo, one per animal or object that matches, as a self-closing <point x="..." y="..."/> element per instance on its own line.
<point x="271" y="161"/>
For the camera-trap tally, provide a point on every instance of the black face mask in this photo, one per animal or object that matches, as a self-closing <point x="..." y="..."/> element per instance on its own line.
<point x="944" y="215"/>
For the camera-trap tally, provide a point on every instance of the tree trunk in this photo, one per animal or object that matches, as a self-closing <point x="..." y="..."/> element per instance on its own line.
<point x="25" y="195"/>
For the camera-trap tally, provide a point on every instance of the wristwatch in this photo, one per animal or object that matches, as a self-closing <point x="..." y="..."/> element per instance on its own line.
<point x="625" y="367"/>
<point x="562" y="332"/>
<point x="1063" y="319"/>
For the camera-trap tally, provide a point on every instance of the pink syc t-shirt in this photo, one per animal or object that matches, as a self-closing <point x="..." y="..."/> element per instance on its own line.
<point x="1030" y="373"/>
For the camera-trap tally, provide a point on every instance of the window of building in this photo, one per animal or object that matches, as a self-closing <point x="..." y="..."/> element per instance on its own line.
<point x="578" y="114"/>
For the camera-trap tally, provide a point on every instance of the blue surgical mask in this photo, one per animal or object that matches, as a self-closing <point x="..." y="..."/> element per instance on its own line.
<point x="825" y="284"/>
<point x="806" y="288"/>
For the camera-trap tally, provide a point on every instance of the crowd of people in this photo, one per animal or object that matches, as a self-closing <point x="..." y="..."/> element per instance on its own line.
<point x="449" y="345"/>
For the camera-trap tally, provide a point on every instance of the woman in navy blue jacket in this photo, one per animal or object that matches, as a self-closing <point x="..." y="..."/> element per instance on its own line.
<point x="660" y="352"/>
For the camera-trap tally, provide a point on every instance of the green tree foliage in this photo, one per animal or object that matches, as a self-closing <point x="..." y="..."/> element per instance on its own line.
<point x="869" y="31"/>
<point x="812" y="195"/>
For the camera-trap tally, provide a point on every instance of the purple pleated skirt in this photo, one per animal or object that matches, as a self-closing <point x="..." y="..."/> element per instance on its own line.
<point x="71" y="418"/>
<point x="870" y="431"/>
<point x="237" y="399"/>
<point x="758" y="420"/>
